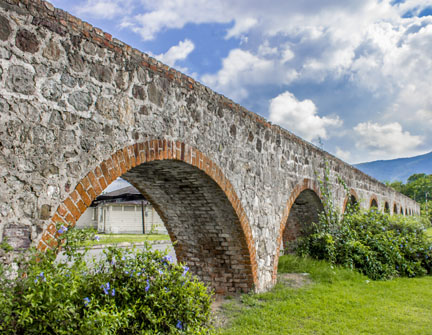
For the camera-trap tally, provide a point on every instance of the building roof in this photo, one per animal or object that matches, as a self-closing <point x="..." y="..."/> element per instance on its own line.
<point x="123" y="195"/>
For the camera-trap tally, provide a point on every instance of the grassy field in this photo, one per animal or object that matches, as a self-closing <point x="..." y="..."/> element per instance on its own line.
<point x="335" y="301"/>
<point x="132" y="238"/>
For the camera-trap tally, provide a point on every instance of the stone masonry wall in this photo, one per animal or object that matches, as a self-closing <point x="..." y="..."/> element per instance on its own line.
<point x="78" y="108"/>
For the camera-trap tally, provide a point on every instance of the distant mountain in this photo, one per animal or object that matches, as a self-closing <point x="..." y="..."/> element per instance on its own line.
<point x="397" y="169"/>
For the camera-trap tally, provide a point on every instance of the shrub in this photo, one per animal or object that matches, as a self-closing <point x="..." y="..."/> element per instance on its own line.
<point x="127" y="291"/>
<point x="377" y="244"/>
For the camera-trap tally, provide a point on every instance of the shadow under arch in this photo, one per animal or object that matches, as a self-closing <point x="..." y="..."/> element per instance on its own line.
<point x="373" y="202"/>
<point x="306" y="193"/>
<point x="198" y="204"/>
<point x="351" y="199"/>
<point x="395" y="209"/>
<point x="386" y="207"/>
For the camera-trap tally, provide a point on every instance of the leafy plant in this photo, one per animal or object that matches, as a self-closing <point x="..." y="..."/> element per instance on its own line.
<point x="128" y="291"/>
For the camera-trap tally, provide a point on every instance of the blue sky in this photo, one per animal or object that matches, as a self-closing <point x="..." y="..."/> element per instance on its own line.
<point x="355" y="75"/>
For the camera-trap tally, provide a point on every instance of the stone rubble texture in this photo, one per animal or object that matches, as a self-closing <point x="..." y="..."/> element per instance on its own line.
<point x="79" y="108"/>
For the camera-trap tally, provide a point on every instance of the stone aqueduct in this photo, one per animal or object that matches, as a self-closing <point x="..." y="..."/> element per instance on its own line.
<point x="79" y="109"/>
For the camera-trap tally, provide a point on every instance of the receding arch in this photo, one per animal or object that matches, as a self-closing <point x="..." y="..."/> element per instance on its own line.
<point x="350" y="199"/>
<point x="386" y="207"/>
<point x="406" y="211"/>
<point x="198" y="204"/>
<point x="395" y="209"/>
<point x="310" y="190"/>
<point x="401" y="210"/>
<point x="373" y="202"/>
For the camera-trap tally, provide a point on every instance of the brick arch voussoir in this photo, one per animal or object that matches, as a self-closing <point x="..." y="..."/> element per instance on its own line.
<point x="306" y="184"/>
<point x="352" y="192"/>
<point x="92" y="185"/>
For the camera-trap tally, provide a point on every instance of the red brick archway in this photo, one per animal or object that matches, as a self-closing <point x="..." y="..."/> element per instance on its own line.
<point x="128" y="161"/>
<point x="306" y="184"/>
<point x="352" y="196"/>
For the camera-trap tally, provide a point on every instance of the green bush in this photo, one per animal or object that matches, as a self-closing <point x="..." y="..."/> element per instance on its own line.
<point x="128" y="291"/>
<point x="377" y="244"/>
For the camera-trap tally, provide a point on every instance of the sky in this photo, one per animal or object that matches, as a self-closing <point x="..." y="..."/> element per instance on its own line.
<point x="353" y="77"/>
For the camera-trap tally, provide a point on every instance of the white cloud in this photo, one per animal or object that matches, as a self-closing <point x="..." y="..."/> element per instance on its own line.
<point x="300" y="117"/>
<point x="239" y="69"/>
<point x="177" y="52"/>
<point x="386" y="141"/>
<point x="342" y="154"/>
<point x="103" y="9"/>
<point x="173" y="14"/>
<point x="241" y="26"/>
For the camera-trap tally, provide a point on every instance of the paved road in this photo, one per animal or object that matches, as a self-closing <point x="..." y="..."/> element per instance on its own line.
<point x="98" y="252"/>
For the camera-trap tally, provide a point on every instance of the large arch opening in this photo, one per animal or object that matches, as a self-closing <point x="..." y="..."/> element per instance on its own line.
<point x="304" y="211"/>
<point x="198" y="205"/>
<point x="395" y="210"/>
<point x="199" y="216"/>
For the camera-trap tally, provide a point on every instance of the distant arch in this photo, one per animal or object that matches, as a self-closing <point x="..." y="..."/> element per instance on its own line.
<point x="306" y="192"/>
<point x="350" y="199"/>
<point x="401" y="211"/>
<point x="386" y="208"/>
<point x="395" y="209"/>
<point x="373" y="202"/>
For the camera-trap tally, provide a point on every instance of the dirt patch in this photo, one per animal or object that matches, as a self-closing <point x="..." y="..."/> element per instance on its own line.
<point x="225" y="308"/>
<point x="294" y="280"/>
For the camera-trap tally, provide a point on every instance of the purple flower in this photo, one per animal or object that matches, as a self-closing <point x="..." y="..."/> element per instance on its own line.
<point x="185" y="270"/>
<point x="113" y="292"/>
<point x="160" y="272"/>
<point x="86" y="301"/>
<point x="179" y="324"/>
<point x="97" y="238"/>
<point x="148" y="285"/>
<point x="105" y="288"/>
<point x="41" y="276"/>
<point x="167" y="259"/>
<point x="62" y="230"/>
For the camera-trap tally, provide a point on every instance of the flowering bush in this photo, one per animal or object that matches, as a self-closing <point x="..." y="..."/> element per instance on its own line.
<point x="128" y="291"/>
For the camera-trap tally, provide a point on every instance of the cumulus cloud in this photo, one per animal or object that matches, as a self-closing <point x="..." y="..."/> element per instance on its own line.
<point x="342" y="154"/>
<point x="239" y="69"/>
<point x="177" y="52"/>
<point x="157" y="16"/>
<point x="386" y="141"/>
<point x="241" y="26"/>
<point x="300" y="117"/>
<point x="104" y="9"/>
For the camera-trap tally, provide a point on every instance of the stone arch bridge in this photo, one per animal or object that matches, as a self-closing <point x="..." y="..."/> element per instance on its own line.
<point x="79" y="109"/>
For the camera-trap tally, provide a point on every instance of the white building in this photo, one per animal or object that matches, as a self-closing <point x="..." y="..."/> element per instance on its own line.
<point x="123" y="211"/>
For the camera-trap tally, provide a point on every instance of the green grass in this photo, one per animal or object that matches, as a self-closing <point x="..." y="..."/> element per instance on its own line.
<point x="339" y="301"/>
<point x="119" y="238"/>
